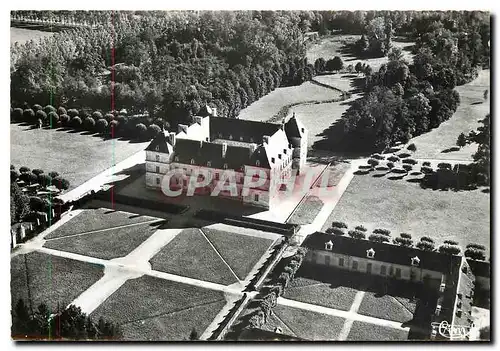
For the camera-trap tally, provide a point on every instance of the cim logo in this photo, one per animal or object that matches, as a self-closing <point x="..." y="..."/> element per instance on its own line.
<point x="448" y="331"/>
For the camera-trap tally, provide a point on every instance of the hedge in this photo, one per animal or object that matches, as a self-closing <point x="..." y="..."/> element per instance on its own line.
<point x="451" y="242"/>
<point x="403" y="242"/>
<point x="405" y="235"/>
<point x="475" y="254"/>
<point x="412" y="147"/>
<point x="89" y="124"/>
<point x="379" y="238"/>
<point x="37" y="107"/>
<point x="76" y="122"/>
<point x="393" y="158"/>
<point x="390" y="165"/>
<point x="399" y="170"/>
<point x="73" y="112"/>
<point x="356" y="234"/>
<point x="404" y="155"/>
<point x="385" y="232"/>
<point x="373" y="162"/>
<point x="53" y="118"/>
<point x="49" y="108"/>
<point x="61" y="111"/>
<point x="449" y="249"/>
<point x="425" y="246"/>
<point x="476" y="246"/>
<point x="427" y="239"/>
<point x="64" y="119"/>
<point x="426" y="163"/>
<point x="102" y="125"/>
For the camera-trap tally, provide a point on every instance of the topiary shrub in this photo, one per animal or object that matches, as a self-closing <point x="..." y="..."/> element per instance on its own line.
<point x="444" y="165"/>
<point x="426" y="163"/>
<point x="49" y="108"/>
<point x="24" y="169"/>
<point x="336" y="224"/>
<point x="378" y="238"/>
<point x="399" y="170"/>
<point x="361" y="228"/>
<point x="425" y="246"/>
<point x="405" y="235"/>
<point x="76" y="122"/>
<point x="61" y="111"/>
<point x="102" y="126"/>
<point x="427" y="239"/>
<point x="410" y="161"/>
<point x="475" y="254"/>
<point x="451" y="242"/>
<point x="141" y="131"/>
<point x="114" y="127"/>
<point x="449" y="249"/>
<point x="337" y="231"/>
<point x="37" y="171"/>
<point x="407" y="167"/>
<point x="476" y="246"/>
<point x="356" y="234"/>
<point x="380" y="231"/>
<point x="17" y="114"/>
<point x="83" y="113"/>
<point x="72" y="112"/>
<point x="44" y="180"/>
<point x="382" y="168"/>
<point x="426" y="170"/>
<point x="41" y="115"/>
<point x="412" y="147"/>
<point x="60" y="183"/>
<point x="37" y="107"/>
<point x="64" y="119"/>
<point x="372" y="162"/>
<point x="89" y="124"/>
<point x="109" y="117"/>
<point x="53" y="174"/>
<point x="377" y="157"/>
<point x="390" y="165"/>
<point x="96" y="115"/>
<point x="404" y="155"/>
<point x="14" y="175"/>
<point x="329" y="230"/>
<point x="153" y="131"/>
<point x="406" y="242"/>
<point x="53" y="119"/>
<point x="393" y="158"/>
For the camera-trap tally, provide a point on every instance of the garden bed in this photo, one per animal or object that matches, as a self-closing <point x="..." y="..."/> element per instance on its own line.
<point x="385" y="307"/>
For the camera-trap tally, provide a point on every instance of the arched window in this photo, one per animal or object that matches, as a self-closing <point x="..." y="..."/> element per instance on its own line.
<point x="157" y="148"/>
<point x="157" y="158"/>
<point x="209" y="164"/>
<point x="257" y="163"/>
<point x="225" y="165"/>
<point x="176" y="159"/>
<point x="370" y="253"/>
<point x="192" y="161"/>
<point x="329" y="245"/>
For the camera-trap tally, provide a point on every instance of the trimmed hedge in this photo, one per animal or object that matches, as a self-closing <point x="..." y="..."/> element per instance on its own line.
<point x="449" y="249"/>
<point x="475" y="246"/>
<point x="407" y="167"/>
<point x="72" y="112"/>
<point x="475" y="254"/>
<point x="64" y="119"/>
<point x="399" y="171"/>
<point x="412" y="147"/>
<point x="61" y="111"/>
<point x="451" y="242"/>
<point x="406" y="242"/>
<point x="426" y="163"/>
<point x="373" y="162"/>
<point x="390" y="165"/>
<point x="379" y="238"/>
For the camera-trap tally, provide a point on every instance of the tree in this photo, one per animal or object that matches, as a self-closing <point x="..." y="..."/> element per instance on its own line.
<point x="356" y="234"/>
<point x="395" y="54"/>
<point x="485" y="95"/>
<point x="194" y="334"/>
<point x="141" y="131"/>
<point x="461" y="140"/>
<point x="60" y="183"/>
<point x="24" y="169"/>
<point x="425" y="246"/>
<point x="53" y="118"/>
<point x="358" y="67"/>
<point x="334" y="64"/>
<point x="76" y="123"/>
<point x="449" y="249"/>
<point x="89" y="124"/>
<point x="153" y="131"/>
<point x="406" y="242"/>
<point x="475" y="254"/>
<point x="14" y="175"/>
<point x="53" y="174"/>
<point x="41" y="115"/>
<point x="379" y="238"/>
<point x="101" y="125"/>
<point x="21" y="319"/>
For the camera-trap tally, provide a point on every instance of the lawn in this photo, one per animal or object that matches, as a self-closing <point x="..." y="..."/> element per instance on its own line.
<point x="240" y="251"/>
<point x="362" y="331"/>
<point x="158" y="309"/>
<point x="269" y="105"/>
<point x="472" y="108"/>
<point x="307" y="325"/>
<point x="320" y="293"/>
<point x="106" y="244"/>
<point x="307" y="211"/>
<point x="52" y="280"/>
<point x="401" y="206"/>
<point x="21" y="35"/>
<point x="76" y="157"/>
<point x="384" y="307"/>
<point x="190" y="254"/>
<point x="97" y="219"/>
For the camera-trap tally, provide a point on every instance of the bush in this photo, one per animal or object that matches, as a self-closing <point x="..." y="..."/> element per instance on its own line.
<point x="61" y="111"/>
<point x="380" y="231"/>
<point x="49" y="108"/>
<point x="44" y="180"/>
<point x="425" y="246"/>
<point x="12" y="167"/>
<point x="379" y="238"/>
<point x="444" y="165"/>
<point x="382" y="168"/>
<point x="390" y="165"/>
<point x="377" y="157"/>
<point x="412" y="147"/>
<point x="76" y="123"/>
<point x="451" y="242"/>
<point x="53" y="118"/>
<point x="102" y="125"/>
<point x="337" y="231"/>
<point x="407" y="167"/>
<point x="89" y="124"/>
<point x="406" y="242"/>
<point x="53" y="174"/>
<point x="404" y="155"/>
<point x="72" y="112"/>
<point x="37" y="107"/>
<point x="37" y="204"/>
<point x="372" y="162"/>
<point x="426" y="170"/>
<point x="24" y="169"/>
<point x="361" y="228"/>
<point x="393" y="158"/>
<point x="336" y="224"/>
<point x="141" y="131"/>
<point x="427" y="239"/>
<point x="153" y="131"/>
<point x="356" y="234"/>
<point x="410" y="161"/>
<point x="476" y="246"/>
<point x="96" y="115"/>
<point x="64" y="119"/>
<point x="113" y="127"/>
<point x="14" y="175"/>
<point x="109" y="117"/>
<point x="449" y="249"/>
<point x="17" y="114"/>
<point x="37" y="171"/>
<point x="405" y="235"/>
<point x="41" y="115"/>
<point x="399" y="170"/>
<point x="475" y="254"/>
<point x="329" y="230"/>
<point x="60" y="183"/>
<point x="83" y="113"/>
<point x="426" y="163"/>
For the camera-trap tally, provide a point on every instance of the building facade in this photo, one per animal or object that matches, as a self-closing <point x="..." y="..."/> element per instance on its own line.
<point x="213" y="145"/>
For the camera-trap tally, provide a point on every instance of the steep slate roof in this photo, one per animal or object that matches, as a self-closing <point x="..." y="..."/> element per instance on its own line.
<point x="241" y="128"/>
<point x="383" y="252"/>
<point x="479" y="268"/>
<point x="161" y="140"/>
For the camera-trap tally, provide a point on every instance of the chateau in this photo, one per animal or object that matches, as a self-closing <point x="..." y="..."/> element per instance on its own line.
<point x="217" y="144"/>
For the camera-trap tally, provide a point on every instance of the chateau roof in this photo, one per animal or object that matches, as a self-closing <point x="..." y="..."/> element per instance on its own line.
<point x="163" y="145"/>
<point x="384" y="252"/>
<point x="249" y="131"/>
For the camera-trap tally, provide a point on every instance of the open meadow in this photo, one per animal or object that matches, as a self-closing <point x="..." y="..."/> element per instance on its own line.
<point x="22" y="35"/>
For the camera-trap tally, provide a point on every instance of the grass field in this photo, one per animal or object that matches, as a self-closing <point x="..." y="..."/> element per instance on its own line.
<point x="52" y="280"/>
<point x="84" y="156"/>
<point x="401" y="206"/>
<point x="321" y="294"/>
<point x="108" y="244"/>
<point x="269" y="105"/>
<point x="384" y="307"/>
<point x="307" y="211"/>
<point x="241" y="252"/>
<point x="361" y="331"/>
<point x="472" y="108"/>
<point x="190" y="254"/>
<point x="158" y="309"/>
<point x="21" y="35"/>
<point x="97" y="219"/>
<point x="308" y="325"/>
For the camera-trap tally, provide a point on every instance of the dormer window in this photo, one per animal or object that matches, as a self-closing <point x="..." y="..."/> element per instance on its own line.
<point x="302" y="130"/>
<point x="209" y="163"/>
<point x="192" y="161"/>
<point x="272" y="159"/>
<point x="241" y="138"/>
<point x="370" y="253"/>
<point x="415" y="261"/>
<point x="251" y="139"/>
<point x="329" y="245"/>
<point x="225" y="165"/>
<point x="257" y="163"/>
<point x="279" y="156"/>
<point x="157" y="148"/>
<point x="157" y="158"/>
<point x="176" y="159"/>
<point x="230" y="137"/>
<point x="220" y="135"/>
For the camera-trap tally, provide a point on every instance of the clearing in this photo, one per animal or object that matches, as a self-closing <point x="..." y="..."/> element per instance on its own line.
<point x="402" y="206"/>
<point x="75" y="157"/>
<point x="21" y="35"/>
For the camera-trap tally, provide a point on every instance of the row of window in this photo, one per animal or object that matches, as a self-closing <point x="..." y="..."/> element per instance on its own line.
<point x="355" y="266"/>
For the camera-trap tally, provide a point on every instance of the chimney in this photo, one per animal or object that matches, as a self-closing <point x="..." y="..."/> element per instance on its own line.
<point x="265" y="139"/>
<point x="197" y="119"/>
<point x="172" y="138"/>
<point x="224" y="149"/>
<point x="182" y="128"/>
